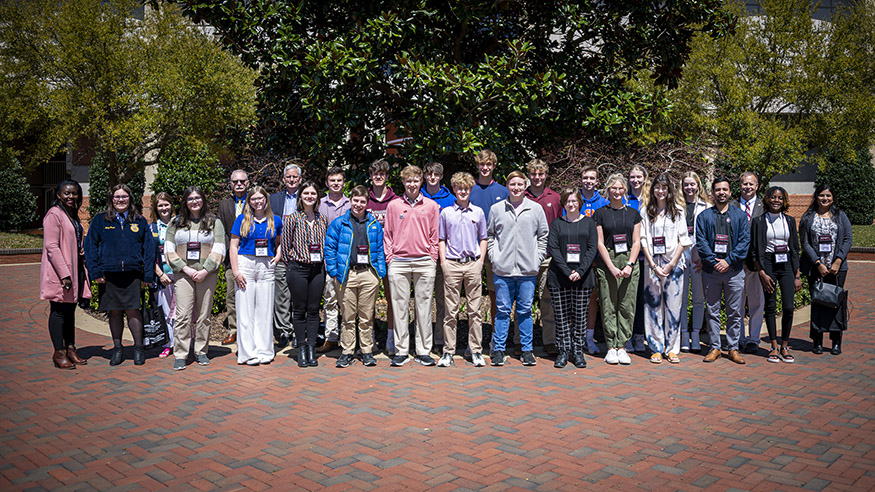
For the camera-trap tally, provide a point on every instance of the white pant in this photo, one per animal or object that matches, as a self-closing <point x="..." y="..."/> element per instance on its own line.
<point x="753" y="296"/>
<point x="421" y="274"/>
<point x="255" y="310"/>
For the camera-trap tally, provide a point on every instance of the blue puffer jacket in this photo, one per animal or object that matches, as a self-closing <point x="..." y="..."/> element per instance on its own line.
<point x="114" y="247"/>
<point x="338" y="246"/>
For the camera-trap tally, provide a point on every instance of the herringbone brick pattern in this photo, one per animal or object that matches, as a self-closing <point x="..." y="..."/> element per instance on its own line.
<point x="692" y="426"/>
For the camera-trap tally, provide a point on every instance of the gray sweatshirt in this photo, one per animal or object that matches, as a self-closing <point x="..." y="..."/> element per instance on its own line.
<point x="517" y="238"/>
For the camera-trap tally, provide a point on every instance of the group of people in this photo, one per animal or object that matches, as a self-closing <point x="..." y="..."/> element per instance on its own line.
<point x="636" y="255"/>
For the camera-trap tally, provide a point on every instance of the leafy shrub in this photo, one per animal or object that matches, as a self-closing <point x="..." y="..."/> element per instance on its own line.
<point x="17" y="203"/>
<point x="185" y="164"/>
<point x="854" y="183"/>
<point x="98" y="185"/>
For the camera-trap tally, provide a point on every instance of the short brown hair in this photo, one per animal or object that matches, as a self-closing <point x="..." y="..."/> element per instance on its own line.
<point x="515" y="174"/>
<point x="359" y="190"/>
<point x="537" y="165"/>
<point x="486" y="155"/>
<point x="434" y="168"/>
<point x="410" y="172"/>
<point x="462" y="180"/>
<point x="590" y="168"/>
<point x="378" y="166"/>
<point x="567" y="192"/>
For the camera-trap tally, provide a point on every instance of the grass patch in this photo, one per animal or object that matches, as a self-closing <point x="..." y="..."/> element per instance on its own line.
<point x="864" y="236"/>
<point x="18" y="240"/>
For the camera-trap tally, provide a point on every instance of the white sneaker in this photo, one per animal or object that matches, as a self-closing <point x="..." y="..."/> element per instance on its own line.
<point x="478" y="360"/>
<point x="446" y="360"/>
<point x="591" y="347"/>
<point x="638" y="341"/>
<point x="611" y="357"/>
<point x="623" y="357"/>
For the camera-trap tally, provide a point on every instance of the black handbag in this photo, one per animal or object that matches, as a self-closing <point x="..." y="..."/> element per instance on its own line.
<point x="154" y="324"/>
<point x="828" y="295"/>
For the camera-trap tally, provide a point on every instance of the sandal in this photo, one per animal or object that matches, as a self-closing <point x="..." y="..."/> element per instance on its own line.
<point x="773" y="356"/>
<point x="786" y="356"/>
<point x="165" y="353"/>
<point x="673" y="358"/>
<point x="656" y="358"/>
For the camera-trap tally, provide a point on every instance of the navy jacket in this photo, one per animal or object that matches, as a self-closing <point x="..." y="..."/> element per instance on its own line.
<point x="338" y="246"/>
<point x="740" y="240"/>
<point x="114" y="247"/>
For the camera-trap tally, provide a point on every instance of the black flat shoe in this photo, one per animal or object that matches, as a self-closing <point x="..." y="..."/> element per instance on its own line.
<point x="817" y="349"/>
<point x="561" y="360"/>
<point x="836" y="349"/>
<point x="139" y="355"/>
<point x="579" y="360"/>
<point x="117" y="357"/>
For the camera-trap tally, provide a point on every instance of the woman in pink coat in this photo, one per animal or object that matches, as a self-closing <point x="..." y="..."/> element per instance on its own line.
<point x="63" y="279"/>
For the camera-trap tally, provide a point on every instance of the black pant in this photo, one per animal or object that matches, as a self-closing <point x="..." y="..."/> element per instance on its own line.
<point x="62" y="324"/>
<point x="782" y="274"/>
<point x="824" y="319"/>
<point x="638" y="322"/>
<point x="306" y="283"/>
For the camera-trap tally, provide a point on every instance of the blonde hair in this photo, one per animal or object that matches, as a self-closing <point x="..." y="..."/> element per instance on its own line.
<point x="247" y="225"/>
<point x="462" y="180"/>
<point x="645" y="186"/>
<point x="411" y="172"/>
<point x="487" y="156"/>
<point x="702" y="194"/>
<point x="613" y="179"/>
<point x="537" y="165"/>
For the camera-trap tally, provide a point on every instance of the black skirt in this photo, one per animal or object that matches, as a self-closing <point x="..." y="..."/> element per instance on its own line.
<point x="120" y="291"/>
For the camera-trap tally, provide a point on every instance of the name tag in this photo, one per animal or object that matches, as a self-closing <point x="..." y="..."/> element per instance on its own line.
<point x="261" y="247"/>
<point x="721" y="243"/>
<point x="362" y="257"/>
<point x="824" y="243"/>
<point x="620" y="244"/>
<point x="781" y="253"/>
<point x="659" y="245"/>
<point x="194" y="251"/>
<point x="163" y="259"/>
<point x="315" y="253"/>
<point x="572" y="253"/>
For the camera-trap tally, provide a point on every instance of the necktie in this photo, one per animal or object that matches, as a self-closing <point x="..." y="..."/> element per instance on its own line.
<point x="747" y="210"/>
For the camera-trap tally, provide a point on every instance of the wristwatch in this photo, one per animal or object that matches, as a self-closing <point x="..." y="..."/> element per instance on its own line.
<point x="631" y="264"/>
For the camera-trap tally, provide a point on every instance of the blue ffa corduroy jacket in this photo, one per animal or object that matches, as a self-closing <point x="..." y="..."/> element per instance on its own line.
<point x="739" y="242"/>
<point x="111" y="246"/>
<point x="338" y="246"/>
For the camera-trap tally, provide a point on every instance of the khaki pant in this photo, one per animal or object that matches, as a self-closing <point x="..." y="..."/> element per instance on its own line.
<point x="230" y="300"/>
<point x="456" y="275"/>
<point x="193" y="300"/>
<point x="421" y="274"/>
<point x="330" y="303"/>
<point x="357" y="299"/>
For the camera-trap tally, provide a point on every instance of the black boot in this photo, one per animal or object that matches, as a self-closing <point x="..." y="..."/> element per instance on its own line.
<point x="139" y="355"/>
<point x="302" y="356"/>
<point x="561" y="359"/>
<point x="118" y="355"/>
<point x="836" y="348"/>
<point x="311" y="356"/>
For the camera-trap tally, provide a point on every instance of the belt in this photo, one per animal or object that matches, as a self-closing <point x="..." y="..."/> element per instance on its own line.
<point x="359" y="268"/>
<point x="467" y="259"/>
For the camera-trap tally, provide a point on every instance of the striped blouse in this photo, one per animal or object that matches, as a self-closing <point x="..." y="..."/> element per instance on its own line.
<point x="299" y="233"/>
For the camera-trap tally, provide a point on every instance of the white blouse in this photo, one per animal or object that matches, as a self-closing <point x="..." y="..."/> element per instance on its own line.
<point x="674" y="232"/>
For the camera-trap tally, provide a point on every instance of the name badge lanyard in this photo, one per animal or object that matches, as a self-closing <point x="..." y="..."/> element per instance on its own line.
<point x="194" y="248"/>
<point x="621" y="244"/>
<point x="659" y="247"/>
<point x="780" y="249"/>
<point x="721" y="241"/>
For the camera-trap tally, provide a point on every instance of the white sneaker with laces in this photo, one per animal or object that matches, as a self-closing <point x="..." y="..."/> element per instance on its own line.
<point x="446" y="360"/>
<point x="611" y="357"/>
<point x="478" y="360"/>
<point x="623" y="357"/>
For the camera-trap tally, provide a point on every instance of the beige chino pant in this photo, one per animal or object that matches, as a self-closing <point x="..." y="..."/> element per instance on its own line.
<point x="457" y="275"/>
<point x="419" y="273"/>
<point x="193" y="300"/>
<point x="357" y="299"/>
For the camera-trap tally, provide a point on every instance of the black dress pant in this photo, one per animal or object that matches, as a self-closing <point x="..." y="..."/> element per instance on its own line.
<point x="62" y="323"/>
<point x="782" y="274"/>
<point x="306" y="283"/>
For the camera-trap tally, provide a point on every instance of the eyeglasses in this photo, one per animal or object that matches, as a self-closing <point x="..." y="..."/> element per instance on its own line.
<point x="239" y="181"/>
<point x="193" y="199"/>
<point x="121" y="198"/>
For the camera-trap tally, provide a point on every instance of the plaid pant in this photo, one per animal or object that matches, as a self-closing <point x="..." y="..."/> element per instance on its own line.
<point x="571" y="307"/>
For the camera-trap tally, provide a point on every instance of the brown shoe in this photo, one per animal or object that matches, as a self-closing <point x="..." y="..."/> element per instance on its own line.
<point x="713" y="355"/>
<point x="551" y="349"/>
<point x="74" y="357"/>
<point x="61" y="361"/>
<point x="328" y="346"/>
<point x="230" y="339"/>
<point x="735" y="356"/>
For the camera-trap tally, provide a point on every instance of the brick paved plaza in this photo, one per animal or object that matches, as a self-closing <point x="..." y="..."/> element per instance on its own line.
<point x="691" y="426"/>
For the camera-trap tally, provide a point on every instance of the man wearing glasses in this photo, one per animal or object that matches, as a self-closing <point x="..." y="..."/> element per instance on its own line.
<point x="229" y="209"/>
<point x="284" y="203"/>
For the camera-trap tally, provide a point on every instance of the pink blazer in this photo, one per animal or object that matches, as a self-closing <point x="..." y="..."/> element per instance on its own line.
<point x="59" y="260"/>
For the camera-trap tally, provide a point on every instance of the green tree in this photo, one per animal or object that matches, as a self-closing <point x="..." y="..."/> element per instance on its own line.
<point x="782" y="84"/>
<point x="186" y="164"/>
<point x="453" y="77"/>
<point x="17" y="203"/>
<point x="126" y="79"/>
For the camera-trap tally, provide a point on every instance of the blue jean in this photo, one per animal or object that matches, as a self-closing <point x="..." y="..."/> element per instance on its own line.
<point x="508" y="290"/>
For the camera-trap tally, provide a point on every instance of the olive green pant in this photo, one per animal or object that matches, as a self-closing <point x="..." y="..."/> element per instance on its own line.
<point x="617" y="300"/>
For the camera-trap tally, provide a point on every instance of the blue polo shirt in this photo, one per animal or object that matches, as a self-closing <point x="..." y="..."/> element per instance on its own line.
<point x="258" y="230"/>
